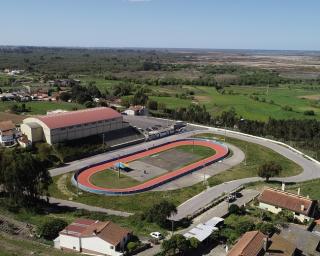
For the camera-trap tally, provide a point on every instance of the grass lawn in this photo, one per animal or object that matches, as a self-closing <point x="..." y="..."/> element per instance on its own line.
<point x="257" y="110"/>
<point x="136" y="203"/>
<point x="41" y="107"/>
<point x="295" y="96"/>
<point x="308" y="188"/>
<point x="13" y="246"/>
<point x="110" y="179"/>
<point x="256" y="155"/>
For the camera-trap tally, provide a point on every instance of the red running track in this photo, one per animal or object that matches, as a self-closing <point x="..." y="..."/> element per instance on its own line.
<point x="84" y="177"/>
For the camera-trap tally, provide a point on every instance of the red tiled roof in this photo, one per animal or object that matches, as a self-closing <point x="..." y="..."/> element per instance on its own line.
<point x="107" y="231"/>
<point x="286" y="200"/>
<point x="79" y="117"/>
<point x="6" y="126"/>
<point x="250" y="244"/>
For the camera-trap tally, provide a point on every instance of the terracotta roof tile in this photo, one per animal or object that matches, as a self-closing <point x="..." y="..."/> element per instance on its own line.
<point x="6" y="125"/>
<point x="281" y="246"/>
<point x="286" y="200"/>
<point x="108" y="231"/>
<point x="250" y="244"/>
<point x="71" y="118"/>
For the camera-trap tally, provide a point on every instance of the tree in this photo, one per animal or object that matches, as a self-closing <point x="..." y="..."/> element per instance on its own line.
<point x="50" y="229"/>
<point x="235" y="209"/>
<point x="23" y="176"/>
<point x="65" y="96"/>
<point x="140" y="97"/>
<point x="153" y="105"/>
<point x="269" y="169"/>
<point x="177" y="244"/>
<point x="159" y="213"/>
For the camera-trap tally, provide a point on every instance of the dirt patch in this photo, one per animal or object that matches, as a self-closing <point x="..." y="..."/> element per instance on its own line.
<point x="203" y="98"/>
<point x="17" y="119"/>
<point x="310" y="97"/>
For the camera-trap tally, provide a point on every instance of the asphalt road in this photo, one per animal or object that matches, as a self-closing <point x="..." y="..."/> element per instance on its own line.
<point x="75" y="165"/>
<point x="311" y="170"/>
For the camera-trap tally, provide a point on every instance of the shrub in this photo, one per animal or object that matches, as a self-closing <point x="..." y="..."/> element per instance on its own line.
<point x="309" y="113"/>
<point x="131" y="246"/>
<point x="50" y="229"/>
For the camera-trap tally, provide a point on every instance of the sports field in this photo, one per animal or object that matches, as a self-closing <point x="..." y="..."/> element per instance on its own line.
<point x="219" y="151"/>
<point x="152" y="166"/>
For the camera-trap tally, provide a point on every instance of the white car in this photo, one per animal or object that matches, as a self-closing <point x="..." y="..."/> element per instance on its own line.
<point x="156" y="235"/>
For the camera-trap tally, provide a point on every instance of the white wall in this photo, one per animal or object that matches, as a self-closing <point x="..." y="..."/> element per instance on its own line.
<point x="98" y="245"/>
<point x="70" y="242"/>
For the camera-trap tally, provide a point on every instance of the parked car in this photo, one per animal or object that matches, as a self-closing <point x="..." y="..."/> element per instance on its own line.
<point x="156" y="235"/>
<point x="230" y="198"/>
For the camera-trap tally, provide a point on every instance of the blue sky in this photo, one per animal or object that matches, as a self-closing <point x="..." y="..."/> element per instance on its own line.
<point x="234" y="24"/>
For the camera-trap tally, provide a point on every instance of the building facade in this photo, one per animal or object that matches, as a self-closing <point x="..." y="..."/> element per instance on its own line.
<point x="93" y="237"/>
<point x="275" y="201"/>
<point x="59" y="127"/>
<point x="7" y="133"/>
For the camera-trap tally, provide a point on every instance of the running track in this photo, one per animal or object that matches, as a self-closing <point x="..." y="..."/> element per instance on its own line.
<point x="82" y="178"/>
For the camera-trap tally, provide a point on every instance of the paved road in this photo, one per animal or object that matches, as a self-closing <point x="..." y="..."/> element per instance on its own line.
<point x="206" y="197"/>
<point x="311" y="170"/>
<point x="75" y="165"/>
<point x="76" y="205"/>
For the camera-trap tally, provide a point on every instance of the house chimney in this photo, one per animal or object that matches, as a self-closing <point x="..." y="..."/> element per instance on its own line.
<point x="265" y="244"/>
<point x="283" y="186"/>
<point x="302" y="207"/>
<point x="298" y="191"/>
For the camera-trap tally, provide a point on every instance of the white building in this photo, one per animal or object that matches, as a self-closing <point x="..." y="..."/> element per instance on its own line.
<point x="7" y="133"/>
<point x="275" y="201"/>
<point x="59" y="127"/>
<point x="93" y="237"/>
<point x="137" y="110"/>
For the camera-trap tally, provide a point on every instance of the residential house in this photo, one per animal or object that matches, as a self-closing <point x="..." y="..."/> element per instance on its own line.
<point x="275" y="201"/>
<point x="279" y="246"/>
<point x="253" y="243"/>
<point x="137" y="110"/>
<point x="7" y="133"/>
<point x="93" y="237"/>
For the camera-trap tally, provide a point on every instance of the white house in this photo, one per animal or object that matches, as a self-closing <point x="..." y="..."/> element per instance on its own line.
<point x="137" y="110"/>
<point x="93" y="237"/>
<point x="275" y="201"/>
<point x="7" y="133"/>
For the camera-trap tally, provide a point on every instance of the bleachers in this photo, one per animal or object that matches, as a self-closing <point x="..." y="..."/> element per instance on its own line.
<point x="123" y="136"/>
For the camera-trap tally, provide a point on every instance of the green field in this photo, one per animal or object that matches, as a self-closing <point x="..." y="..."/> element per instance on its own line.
<point x="110" y="178"/>
<point x="41" y="107"/>
<point x="307" y="188"/>
<point x="255" y="156"/>
<point x="238" y="97"/>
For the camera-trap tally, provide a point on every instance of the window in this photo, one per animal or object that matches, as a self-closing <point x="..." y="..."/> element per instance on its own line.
<point x="111" y="247"/>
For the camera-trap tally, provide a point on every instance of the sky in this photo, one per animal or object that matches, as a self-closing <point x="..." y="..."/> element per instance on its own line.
<point x="214" y="24"/>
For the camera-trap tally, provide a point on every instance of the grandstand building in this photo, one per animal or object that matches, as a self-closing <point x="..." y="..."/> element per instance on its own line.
<point x="72" y="125"/>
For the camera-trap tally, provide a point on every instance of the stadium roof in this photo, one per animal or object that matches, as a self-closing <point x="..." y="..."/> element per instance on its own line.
<point x="71" y="118"/>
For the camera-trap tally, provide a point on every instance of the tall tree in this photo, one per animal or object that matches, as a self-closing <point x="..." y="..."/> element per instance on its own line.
<point x="269" y="169"/>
